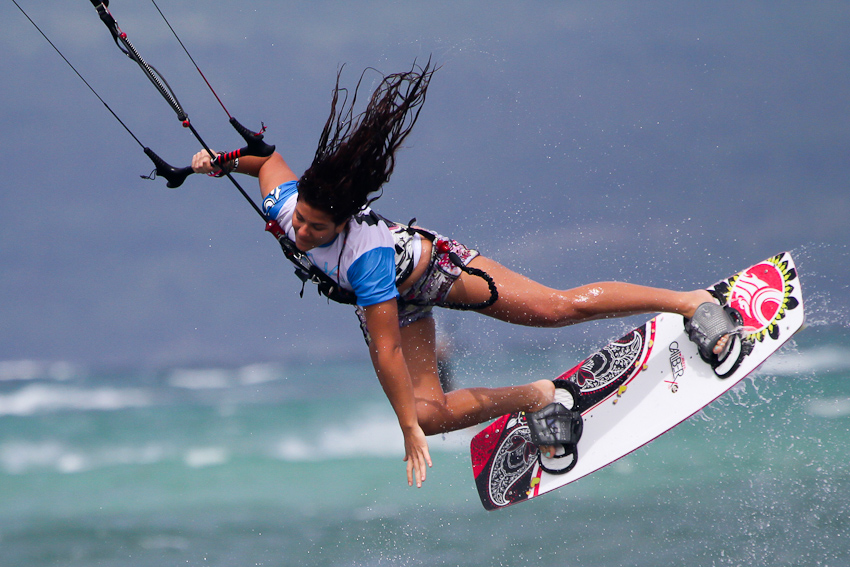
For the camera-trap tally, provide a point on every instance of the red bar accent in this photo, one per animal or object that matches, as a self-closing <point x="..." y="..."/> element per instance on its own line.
<point x="274" y="228"/>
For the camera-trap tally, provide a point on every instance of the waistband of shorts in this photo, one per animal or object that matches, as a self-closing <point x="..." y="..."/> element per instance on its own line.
<point x="435" y="270"/>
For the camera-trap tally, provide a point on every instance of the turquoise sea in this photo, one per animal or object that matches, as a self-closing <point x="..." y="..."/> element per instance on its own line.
<point x="299" y="464"/>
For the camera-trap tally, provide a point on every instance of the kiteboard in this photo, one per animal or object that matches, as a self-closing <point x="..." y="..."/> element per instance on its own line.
<point x="641" y="386"/>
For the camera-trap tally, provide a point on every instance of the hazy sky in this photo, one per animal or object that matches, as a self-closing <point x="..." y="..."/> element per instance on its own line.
<point x="666" y="143"/>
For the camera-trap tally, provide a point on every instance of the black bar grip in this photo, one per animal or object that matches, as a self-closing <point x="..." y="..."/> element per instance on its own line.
<point x="255" y="145"/>
<point x="174" y="176"/>
<point x="221" y="159"/>
<point x="254" y="140"/>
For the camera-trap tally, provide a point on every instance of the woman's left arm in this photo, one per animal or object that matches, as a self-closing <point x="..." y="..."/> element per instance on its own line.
<point x="391" y="368"/>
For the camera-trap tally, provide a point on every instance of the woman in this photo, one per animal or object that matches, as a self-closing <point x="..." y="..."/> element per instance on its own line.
<point x="397" y="273"/>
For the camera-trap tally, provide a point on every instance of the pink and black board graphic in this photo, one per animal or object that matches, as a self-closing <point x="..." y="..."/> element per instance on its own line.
<point x="503" y="456"/>
<point x="767" y="295"/>
<point x="605" y="372"/>
<point x="762" y="294"/>
<point x="503" y="461"/>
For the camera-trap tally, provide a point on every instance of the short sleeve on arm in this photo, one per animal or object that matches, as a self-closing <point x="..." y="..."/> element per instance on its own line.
<point x="274" y="201"/>
<point x="372" y="276"/>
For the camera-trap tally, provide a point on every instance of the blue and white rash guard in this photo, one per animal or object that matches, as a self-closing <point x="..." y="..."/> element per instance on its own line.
<point x="367" y="265"/>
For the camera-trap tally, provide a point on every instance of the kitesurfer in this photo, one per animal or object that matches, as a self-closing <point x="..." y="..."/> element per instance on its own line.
<point x="397" y="272"/>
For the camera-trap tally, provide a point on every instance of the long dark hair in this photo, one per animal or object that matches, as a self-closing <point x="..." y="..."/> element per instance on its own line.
<point x="356" y="154"/>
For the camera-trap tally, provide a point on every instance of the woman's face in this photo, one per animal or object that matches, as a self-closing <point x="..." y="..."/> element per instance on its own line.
<point x="313" y="227"/>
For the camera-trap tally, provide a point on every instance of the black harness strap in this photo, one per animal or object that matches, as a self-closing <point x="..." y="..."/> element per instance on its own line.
<point x="441" y="246"/>
<point x="304" y="268"/>
<point x="494" y="292"/>
<point x="307" y="271"/>
<point x="327" y="286"/>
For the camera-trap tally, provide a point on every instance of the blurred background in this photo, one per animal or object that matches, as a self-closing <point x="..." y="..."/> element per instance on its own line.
<point x="167" y="398"/>
<point x="668" y="144"/>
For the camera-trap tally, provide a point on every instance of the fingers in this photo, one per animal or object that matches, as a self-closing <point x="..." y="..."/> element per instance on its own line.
<point x="410" y="470"/>
<point x="425" y="457"/>
<point x="416" y="466"/>
<point x="415" y="470"/>
<point x="202" y="162"/>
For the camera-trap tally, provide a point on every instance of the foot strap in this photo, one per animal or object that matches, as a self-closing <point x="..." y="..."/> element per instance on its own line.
<point x="710" y="323"/>
<point x="559" y="423"/>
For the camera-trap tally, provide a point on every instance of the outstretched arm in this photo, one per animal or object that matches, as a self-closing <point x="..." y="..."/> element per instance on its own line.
<point x="391" y="368"/>
<point x="271" y="170"/>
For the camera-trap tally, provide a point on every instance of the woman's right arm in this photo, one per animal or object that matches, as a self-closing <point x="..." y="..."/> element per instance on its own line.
<point x="271" y="170"/>
<point x="394" y="376"/>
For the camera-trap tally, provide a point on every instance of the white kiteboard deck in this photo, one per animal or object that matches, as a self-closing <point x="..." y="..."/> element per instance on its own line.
<point x="641" y="386"/>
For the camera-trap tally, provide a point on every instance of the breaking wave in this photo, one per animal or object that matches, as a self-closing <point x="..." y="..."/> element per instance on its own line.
<point x="45" y="398"/>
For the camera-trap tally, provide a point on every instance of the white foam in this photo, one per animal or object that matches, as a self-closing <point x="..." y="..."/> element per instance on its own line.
<point x="200" y="379"/>
<point x="200" y="457"/>
<point x="259" y="374"/>
<point x="16" y="458"/>
<point x="44" y="398"/>
<point x="789" y="361"/>
<point x="34" y="369"/>
<point x="220" y="378"/>
<point x="829" y="408"/>
<point x="373" y="436"/>
<point x="20" y="457"/>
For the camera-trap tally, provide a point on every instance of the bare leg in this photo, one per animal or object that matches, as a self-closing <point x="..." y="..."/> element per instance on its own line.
<point x="439" y="412"/>
<point x="523" y="301"/>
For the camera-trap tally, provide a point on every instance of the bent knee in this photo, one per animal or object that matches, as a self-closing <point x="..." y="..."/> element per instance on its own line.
<point x="434" y="416"/>
<point x="431" y="427"/>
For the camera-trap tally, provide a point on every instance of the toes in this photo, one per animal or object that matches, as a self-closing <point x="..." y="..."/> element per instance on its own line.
<point x="721" y="344"/>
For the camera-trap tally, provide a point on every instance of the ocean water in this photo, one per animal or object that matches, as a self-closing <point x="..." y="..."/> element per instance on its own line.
<point x="294" y="465"/>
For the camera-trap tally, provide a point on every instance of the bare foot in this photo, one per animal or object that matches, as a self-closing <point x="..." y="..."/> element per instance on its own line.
<point x="701" y="296"/>
<point x="546" y="389"/>
<point x="721" y="344"/>
<point x="548" y="450"/>
<point x="697" y="298"/>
